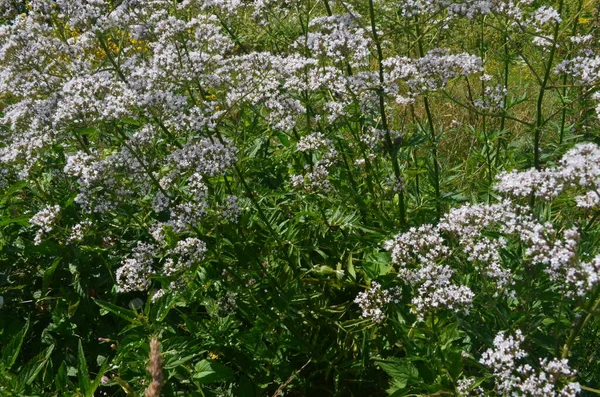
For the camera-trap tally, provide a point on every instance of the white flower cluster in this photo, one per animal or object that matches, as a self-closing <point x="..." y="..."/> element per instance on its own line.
<point x="45" y="220"/>
<point x="417" y="253"/>
<point x="314" y="141"/>
<point x="514" y="378"/>
<point x="544" y="246"/>
<point x="375" y="137"/>
<point x="189" y="252"/>
<point x="338" y="38"/>
<point x="464" y="388"/>
<point x="579" y="168"/>
<point x="78" y="230"/>
<point x="483" y="231"/>
<point x="204" y="157"/>
<point x="456" y="8"/>
<point x="227" y="303"/>
<point x="134" y="273"/>
<point x="430" y="73"/>
<point x="373" y="301"/>
<point x="316" y="177"/>
<point x="231" y="209"/>
<point x="584" y="67"/>
<point x="492" y="99"/>
<point x="267" y="80"/>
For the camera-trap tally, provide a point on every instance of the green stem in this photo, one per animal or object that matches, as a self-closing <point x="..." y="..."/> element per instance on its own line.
<point x="433" y="138"/>
<point x="502" y="142"/>
<point x="327" y="7"/>
<point x="564" y="79"/>
<point x="483" y="119"/>
<point x="590" y="389"/>
<point x="539" y="118"/>
<point x="580" y="324"/>
<point x="124" y="140"/>
<point x="250" y="194"/>
<point x="391" y="148"/>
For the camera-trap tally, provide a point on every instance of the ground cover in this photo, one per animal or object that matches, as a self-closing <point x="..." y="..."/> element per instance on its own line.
<point x="299" y="198"/>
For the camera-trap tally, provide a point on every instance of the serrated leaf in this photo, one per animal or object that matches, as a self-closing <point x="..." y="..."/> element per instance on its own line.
<point x="60" y="379"/>
<point x="22" y="220"/>
<point x="126" y="314"/>
<point x="48" y="273"/>
<point x="350" y="267"/>
<point x="210" y="371"/>
<point x="11" y="351"/>
<point x="35" y="366"/>
<point x="401" y="371"/>
<point x="83" y="376"/>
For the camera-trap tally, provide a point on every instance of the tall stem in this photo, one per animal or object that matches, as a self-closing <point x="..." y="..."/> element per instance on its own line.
<point x="433" y="137"/>
<point x="564" y="79"/>
<point x="539" y="118"/>
<point x="580" y="324"/>
<point x="391" y="148"/>
<point x="483" y="119"/>
<point x="502" y="142"/>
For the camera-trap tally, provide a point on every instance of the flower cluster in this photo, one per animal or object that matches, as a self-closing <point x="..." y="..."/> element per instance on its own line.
<point x="483" y="232"/>
<point x="417" y="253"/>
<point x="45" y="220"/>
<point x="373" y="301"/>
<point x="430" y="73"/>
<point x="338" y="38"/>
<point x="492" y="98"/>
<point x="316" y="176"/>
<point x="189" y="251"/>
<point x="579" y="169"/>
<point x="134" y="273"/>
<point x="514" y="378"/>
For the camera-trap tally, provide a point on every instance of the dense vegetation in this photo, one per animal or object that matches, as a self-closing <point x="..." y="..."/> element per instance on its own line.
<point x="299" y="198"/>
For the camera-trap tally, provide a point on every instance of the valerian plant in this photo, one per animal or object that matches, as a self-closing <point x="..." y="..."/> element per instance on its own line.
<point x="291" y="196"/>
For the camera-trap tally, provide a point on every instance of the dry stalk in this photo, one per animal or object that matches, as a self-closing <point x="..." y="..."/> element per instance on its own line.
<point x="155" y="370"/>
<point x="289" y="380"/>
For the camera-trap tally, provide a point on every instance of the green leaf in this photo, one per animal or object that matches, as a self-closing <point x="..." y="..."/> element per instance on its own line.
<point x="376" y="264"/>
<point x="210" y="371"/>
<point x="86" y="131"/>
<point x="173" y="363"/>
<point x="163" y="306"/>
<point x="11" y="351"/>
<point x="35" y="366"/>
<point x="99" y="376"/>
<point x="48" y="273"/>
<point x="83" y="376"/>
<point x="130" y="121"/>
<point x="350" y="267"/>
<point x="9" y="192"/>
<point x="402" y="372"/>
<point x="22" y="220"/>
<point x="283" y="139"/>
<point x="60" y="380"/>
<point x="126" y="314"/>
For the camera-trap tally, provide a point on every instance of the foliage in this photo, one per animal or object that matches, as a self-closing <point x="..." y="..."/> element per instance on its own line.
<point x="379" y="197"/>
